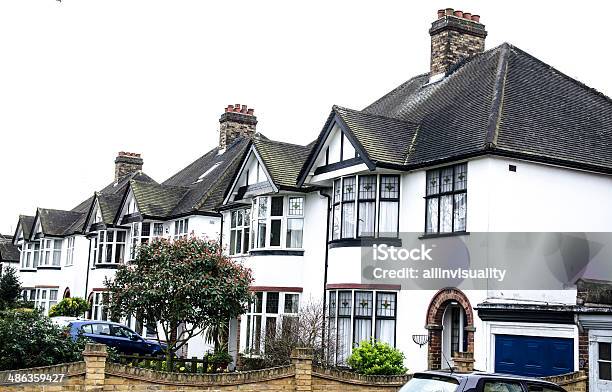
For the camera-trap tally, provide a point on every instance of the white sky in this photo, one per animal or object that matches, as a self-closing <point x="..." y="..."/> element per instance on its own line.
<point x="81" y="80"/>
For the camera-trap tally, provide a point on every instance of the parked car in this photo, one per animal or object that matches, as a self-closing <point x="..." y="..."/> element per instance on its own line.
<point x="446" y="381"/>
<point x="122" y="338"/>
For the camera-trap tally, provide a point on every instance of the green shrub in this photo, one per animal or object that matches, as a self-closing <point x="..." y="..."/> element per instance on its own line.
<point x="9" y="288"/>
<point x="30" y="339"/>
<point x="377" y="358"/>
<point x="69" y="307"/>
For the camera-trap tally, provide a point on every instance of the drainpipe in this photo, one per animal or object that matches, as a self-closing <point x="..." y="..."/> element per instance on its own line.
<point x="329" y="199"/>
<point x="221" y="233"/>
<point x="87" y="272"/>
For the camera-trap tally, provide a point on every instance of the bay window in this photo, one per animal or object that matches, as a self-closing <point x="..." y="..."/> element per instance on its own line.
<point x="269" y="313"/>
<point x="277" y="221"/>
<point x="446" y="199"/>
<point x="240" y="221"/>
<point x="109" y="247"/>
<point x="50" y="253"/>
<point x="365" y="206"/>
<point x="355" y="316"/>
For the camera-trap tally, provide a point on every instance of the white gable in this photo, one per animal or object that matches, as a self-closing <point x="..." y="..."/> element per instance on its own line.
<point x="336" y="148"/>
<point x="97" y="214"/>
<point x="129" y="205"/>
<point x="252" y="172"/>
<point x="37" y="227"/>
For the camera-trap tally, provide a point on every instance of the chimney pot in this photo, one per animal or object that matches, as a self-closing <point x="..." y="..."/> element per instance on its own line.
<point x="459" y="14"/>
<point x="440" y="14"/>
<point x="467" y="15"/>
<point x="449" y="11"/>
<point x="476" y="18"/>
<point x="250" y="111"/>
<point x="244" y="109"/>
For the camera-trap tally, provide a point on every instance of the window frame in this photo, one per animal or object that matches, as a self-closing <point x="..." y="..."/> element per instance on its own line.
<point x="440" y="194"/>
<point x="42" y="298"/>
<point x="338" y="205"/>
<point x="280" y="316"/>
<point x="70" y="251"/>
<point x="49" y="252"/>
<point x="137" y="238"/>
<point x="181" y="228"/>
<point x="259" y="220"/>
<point x="101" y="243"/>
<point x="240" y="231"/>
<point x="332" y="330"/>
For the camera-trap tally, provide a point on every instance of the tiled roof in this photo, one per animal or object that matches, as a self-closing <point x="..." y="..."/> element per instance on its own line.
<point x="508" y="102"/>
<point x="8" y="251"/>
<point x="59" y="222"/>
<point x="206" y="192"/>
<point x="26" y="223"/>
<point x="283" y="160"/>
<point x="109" y="204"/>
<point x="155" y="200"/>
<point x="384" y="139"/>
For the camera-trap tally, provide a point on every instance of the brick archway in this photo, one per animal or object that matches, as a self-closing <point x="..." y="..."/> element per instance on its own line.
<point x="435" y="313"/>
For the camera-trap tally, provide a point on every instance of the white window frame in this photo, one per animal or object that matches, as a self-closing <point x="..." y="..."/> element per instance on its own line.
<point x="249" y="317"/>
<point x="137" y="238"/>
<point x="100" y="248"/>
<point x="240" y="232"/>
<point x="258" y="218"/>
<point x="45" y="298"/>
<point x="181" y="228"/>
<point x="70" y="251"/>
<point x="338" y="203"/>
<point x="99" y="311"/>
<point x="50" y="252"/>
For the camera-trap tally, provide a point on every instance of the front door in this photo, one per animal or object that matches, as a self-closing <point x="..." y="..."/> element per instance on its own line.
<point x="601" y="363"/>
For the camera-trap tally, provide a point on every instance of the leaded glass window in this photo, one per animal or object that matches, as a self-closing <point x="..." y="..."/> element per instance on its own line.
<point x="446" y="199"/>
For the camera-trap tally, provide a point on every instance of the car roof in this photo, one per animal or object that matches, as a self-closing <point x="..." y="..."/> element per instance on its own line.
<point x="480" y="374"/>
<point x="84" y="322"/>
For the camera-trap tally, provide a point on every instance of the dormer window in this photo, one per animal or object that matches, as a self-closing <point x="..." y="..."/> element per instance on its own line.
<point x="365" y="206"/>
<point x="277" y="222"/>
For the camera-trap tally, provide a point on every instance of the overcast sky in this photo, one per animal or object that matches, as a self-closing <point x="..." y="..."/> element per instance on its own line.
<point x="81" y="80"/>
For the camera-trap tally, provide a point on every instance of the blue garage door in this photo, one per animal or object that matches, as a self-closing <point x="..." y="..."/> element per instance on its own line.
<point x="533" y="356"/>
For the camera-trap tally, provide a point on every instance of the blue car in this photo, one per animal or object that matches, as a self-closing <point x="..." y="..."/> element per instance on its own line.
<point x="122" y="338"/>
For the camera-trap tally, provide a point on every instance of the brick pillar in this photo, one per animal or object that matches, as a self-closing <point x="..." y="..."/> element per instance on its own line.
<point x="434" y="347"/>
<point x="301" y="358"/>
<point x="583" y="351"/>
<point x="95" y="363"/>
<point x="463" y="362"/>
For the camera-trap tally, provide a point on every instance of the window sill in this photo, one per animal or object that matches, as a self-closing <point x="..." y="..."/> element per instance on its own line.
<point x="276" y="252"/>
<point x="442" y="235"/>
<point x="359" y="242"/>
<point x="107" y="265"/>
<point x="27" y="270"/>
<point x="49" y="267"/>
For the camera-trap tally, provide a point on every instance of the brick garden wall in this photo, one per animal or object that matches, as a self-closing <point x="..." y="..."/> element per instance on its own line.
<point x="95" y="374"/>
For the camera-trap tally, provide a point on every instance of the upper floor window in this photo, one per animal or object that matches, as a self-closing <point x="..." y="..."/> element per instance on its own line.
<point x="181" y="228"/>
<point x="70" y="251"/>
<point x="240" y="221"/>
<point x="109" y="247"/>
<point x="30" y="253"/>
<point x="446" y="199"/>
<point x="143" y="233"/>
<point x="360" y="200"/>
<point x="277" y="221"/>
<point x="50" y="253"/>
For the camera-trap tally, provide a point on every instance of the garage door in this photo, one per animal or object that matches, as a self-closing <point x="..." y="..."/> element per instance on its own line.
<point x="533" y="356"/>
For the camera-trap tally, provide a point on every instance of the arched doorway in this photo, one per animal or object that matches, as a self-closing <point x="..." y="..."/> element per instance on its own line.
<point x="67" y="292"/>
<point x="450" y="322"/>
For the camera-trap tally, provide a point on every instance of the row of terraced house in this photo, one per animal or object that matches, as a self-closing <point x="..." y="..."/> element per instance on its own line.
<point x="485" y="141"/>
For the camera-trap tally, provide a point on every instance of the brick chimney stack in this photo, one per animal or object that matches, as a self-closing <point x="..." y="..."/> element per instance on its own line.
<point x="238" y="120"/>
<point x="455" y="35"/>
<point x="127" y="163"/>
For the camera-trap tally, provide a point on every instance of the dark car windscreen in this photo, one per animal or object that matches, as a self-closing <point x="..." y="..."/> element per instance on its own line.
<point x="430" y="385"/>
